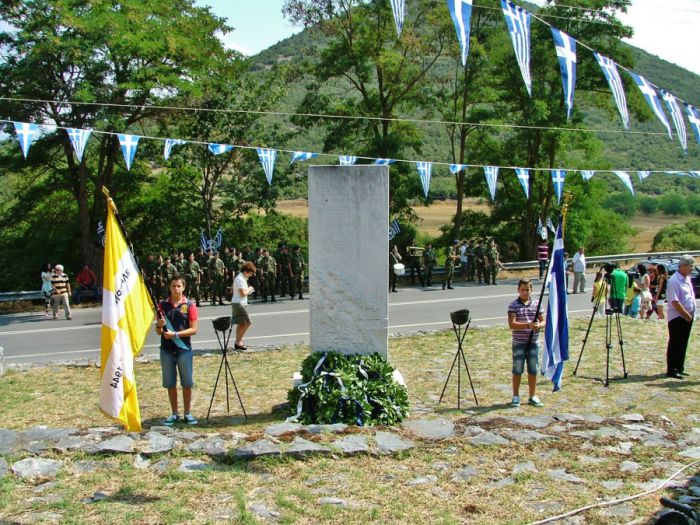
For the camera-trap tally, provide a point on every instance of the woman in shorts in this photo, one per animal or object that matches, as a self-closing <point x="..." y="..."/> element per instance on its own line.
<point x="239" y="301"/>
<point x="660" y="290"/>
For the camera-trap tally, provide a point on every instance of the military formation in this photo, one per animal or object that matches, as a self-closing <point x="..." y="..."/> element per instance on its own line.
<point x="209" y="275"/>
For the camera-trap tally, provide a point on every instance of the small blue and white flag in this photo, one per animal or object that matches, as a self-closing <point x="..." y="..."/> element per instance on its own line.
<point x="523" y="175"/>
<point x="26" y="133"/>
<point x="518" y="22"/>
<point x="587" y="174"/>
<point x="694" y="118"/>
<point x="625" y="178"/>
<point x="394" y="229"/>
<point x="203" y="241"/>
<point x="219" y="149"/>
<point x="347" y="160"/>
<point x="169" y="143"/>
<point x="550" y="225"/>
<point x="558" y="177"/>
<point x="218" y="238"/>
<point x="461" y="12"/>
<point x="384" y="162"/>
<point x="267" y="159"/>
<point x="566" y="53"/>
<point x="491" y="174"/>
<point x="101" y="233"/>
<point x="556" y="331"/>
<point x="456" y="168"/>
<point x="78" y="139"/>
<point x="424" y="171"/>
<point x="398" y="7"/>
<point x="643" y="175"/>
<point x="128" y="143"/>
<point x="653" y="100"/>
<point x="615" y="82"/>
<point x="301" y="156"/>
<point x="541" y="230"/>
<point x="677" y="117"/>
<point x="695" y="174"/>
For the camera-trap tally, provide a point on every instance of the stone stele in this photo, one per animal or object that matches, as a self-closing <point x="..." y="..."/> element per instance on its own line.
<point x="349" y="259"/>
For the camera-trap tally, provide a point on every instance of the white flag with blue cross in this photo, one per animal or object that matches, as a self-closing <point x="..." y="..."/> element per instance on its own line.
<point x="566" y="53"/>
<point x="612" y="75"/>
<point x="518" y="22"/>
<point x="558" y="177"/>
<point x="267" y="159"/>
<point x="456" y="168"/>
<point x="652" y="99"/>
<point x="676" y="117"/>
<point x="461" y="12"/>
<point x="169" y="143"/>
<point x="587" y="174"/>
<point x="128" y="144"/>
<point x="219" y="149"/>
<point x="347" y="160"/>
<point x="491" y="174"/>
<point x="26" y="133"/>
<point x="301" y="156"/>
<point x="78" y="139"/>
<point x="523" y="175"/>
<point x="424" y="171"/>
<point x="556" y="330"/>
<point x="384" y="162"/>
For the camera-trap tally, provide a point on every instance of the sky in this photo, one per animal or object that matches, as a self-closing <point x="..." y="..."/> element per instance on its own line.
<point x="662" y="27"/>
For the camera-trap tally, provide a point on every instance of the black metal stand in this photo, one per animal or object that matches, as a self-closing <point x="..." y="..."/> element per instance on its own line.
<point x="223" y="325"/>
<point x="459" y="318"/>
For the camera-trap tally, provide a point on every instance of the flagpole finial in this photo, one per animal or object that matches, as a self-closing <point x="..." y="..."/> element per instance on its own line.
<point x="109" y="200"/>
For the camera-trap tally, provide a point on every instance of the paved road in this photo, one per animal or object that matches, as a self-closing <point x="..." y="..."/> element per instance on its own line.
<point x="31" y="338"/>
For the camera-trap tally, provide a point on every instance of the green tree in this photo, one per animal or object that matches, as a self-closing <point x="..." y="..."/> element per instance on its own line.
<point x="623" y="203"/>
<point x="678" y="237"/>
<point x="673" y="204"/>
<point x="647" y="204"/>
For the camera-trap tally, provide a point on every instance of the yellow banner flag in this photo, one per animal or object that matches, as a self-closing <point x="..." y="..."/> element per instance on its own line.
<point x="127" y="314"/>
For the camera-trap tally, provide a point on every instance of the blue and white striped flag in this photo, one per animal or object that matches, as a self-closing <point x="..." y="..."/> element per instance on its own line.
<point x="523" y="175"/>
<point x="456" y="168"/>
<point x="78" y="139"/>
<point x="587" y="174"/>
<point x="556" y="331"/>
<point x="625" y="178"/>
<point x="541" y="230"/>
<point x="518" y="22"/>
<point x="643" y="175"/>
<point x="128" y="143"/>
<point x="677" y="117"/>
<point x="384" y="162"/>
<point x="347" y="160"/>
<point x="101" y="233"/>
<point x="203" y="241"/>
<point x="550" y="225"/>
<point x="566" y="53"/>
<point x="218" y="149"/>
<point x="394" y="229"/>
<point x="695" y="174"/>
<point x="302" y="155"/>
<point x="424" y="171"/>
<point x="169" y="143"/>
<point x="694" y="118"/>
<point x="218" y="238"/>
<point x="26" y="133"/>
<point x="653" y="100"/>
<point x="398" y="7"/>
<point x="491" y="174"/>
<point x="461" y="12"/>
<point x="558" y="177"/>
<point x="267" y="159"/>
<point x="615" y="82"/>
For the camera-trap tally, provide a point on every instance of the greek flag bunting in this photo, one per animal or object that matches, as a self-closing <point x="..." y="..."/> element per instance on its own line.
<point x="219" y="149"/>
<point x="78" y="139"/>
<point x="384" y="162"/>
<point x="302" y="155"/>
<point x="643" y="175"/>
<point x="169" y="143"/>
<point x="518" y="22"/>
<point x="127" y="314"/>
<point x="694" y="118"/>
<point x="491" y="174"/>
<point x="550" y="225"/>
<point x="558" y="177"/>
<point x="394" y="229"/>
<point x="398" y="7"/>
<point x="461" y="12"/>
<point x="26" y="133"/>
<point x="587" y="174"/>
<point x="676" y="117"/>
<point x="566" y="53"/>
<point x="347" y="160"/>
<point x="267" y="159"/>
<point x="128" y="143"/>
<point x="556" y="332"/>
<point x="456" y="168"/>
<point x="615" y="82"/>
<point x="424" y="170"/>
<point x="218" y="238"/>
<point x="695" y="174"/>
<point x="203" y="242"/>
<point x="523" y="175"/>
<point x="653" y="100"/>
<point x="625" y="178"/>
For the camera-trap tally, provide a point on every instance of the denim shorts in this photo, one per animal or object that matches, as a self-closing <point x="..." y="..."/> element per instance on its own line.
<point x="172" y="364"/>
<point x="520" y="355"/>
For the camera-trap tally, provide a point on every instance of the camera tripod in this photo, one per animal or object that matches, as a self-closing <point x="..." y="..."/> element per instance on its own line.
<point x="223" y="325"/>
<point x="459" y="319"/>
<point x="609" y="313"/>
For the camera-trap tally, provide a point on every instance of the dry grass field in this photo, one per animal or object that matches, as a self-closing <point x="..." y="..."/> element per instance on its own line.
<point x="440" y="212"/>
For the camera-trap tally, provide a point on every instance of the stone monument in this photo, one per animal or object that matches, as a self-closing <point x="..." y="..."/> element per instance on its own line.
<point x="349" y="259"/>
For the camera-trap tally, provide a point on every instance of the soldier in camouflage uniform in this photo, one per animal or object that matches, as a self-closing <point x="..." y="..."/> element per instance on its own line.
<point x="150" y="268"/>
<point x="284" y="268"/>
<point x="269" y="266"/>
<point x="493" y="258"/>
<point x="481" y="261"/>
<point x="258" y="279"/>
<point x="429" y="260"/>
<point x="167" y="271"/>
<point x="193" y="276"/>
<point x="179" y="263"/>
<point x="450" y="259"/>
<point x="297" y="264"/>
<point x="471" y="263"/>
<point x="203" y="259"/>
<point x="217" y="270"/>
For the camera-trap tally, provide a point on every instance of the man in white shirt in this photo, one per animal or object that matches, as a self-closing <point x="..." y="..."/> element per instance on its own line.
<point x="579" y="264"/>
<point x="680" y="297"/>
<point x="463" y="258"/>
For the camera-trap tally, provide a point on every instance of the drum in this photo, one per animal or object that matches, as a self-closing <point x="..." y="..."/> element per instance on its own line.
<point x="399" y="269"/>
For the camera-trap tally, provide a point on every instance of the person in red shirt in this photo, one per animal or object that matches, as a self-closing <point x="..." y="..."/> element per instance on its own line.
<point x="86" y="280"/>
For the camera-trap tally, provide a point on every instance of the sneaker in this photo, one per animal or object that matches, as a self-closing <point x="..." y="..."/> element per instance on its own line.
<point x="190" y="419"/>
<point x="515" y="402"/>
<point x="171" y="420"/>
<point x="535" y="402"/>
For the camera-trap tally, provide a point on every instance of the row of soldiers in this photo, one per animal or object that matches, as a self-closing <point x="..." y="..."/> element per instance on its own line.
<point x="209" y="275"/>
